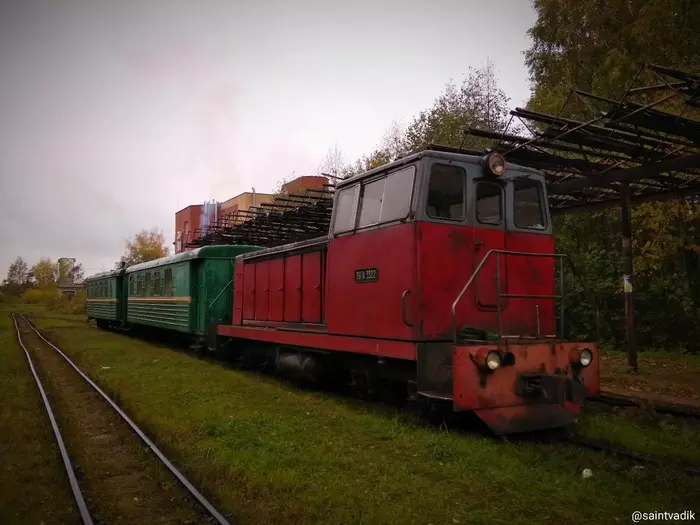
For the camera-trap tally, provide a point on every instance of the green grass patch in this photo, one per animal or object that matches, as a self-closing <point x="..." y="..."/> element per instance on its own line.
<point x="34" y="484"/>
<point x="655" y="437"/>
<point x="272" y="453"/>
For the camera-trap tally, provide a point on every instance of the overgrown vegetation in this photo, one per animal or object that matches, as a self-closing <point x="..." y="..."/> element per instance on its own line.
<point x="272" y="453"/>
<point x="51" y="298"/>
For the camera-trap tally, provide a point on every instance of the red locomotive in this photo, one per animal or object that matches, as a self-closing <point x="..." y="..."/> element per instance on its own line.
<point x="437" y="279"/>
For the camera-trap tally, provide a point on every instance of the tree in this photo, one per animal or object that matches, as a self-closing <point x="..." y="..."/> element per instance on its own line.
<point x="76" y="274"/>
<point x="44" y="273"/>
<point x="478" y="102"/>
<point x="333" y="163"/>
<point x="598" y="46"/>
<point x="17" y="277"/>
<point x="147" y="245"/>
<point x="68" y="272"/>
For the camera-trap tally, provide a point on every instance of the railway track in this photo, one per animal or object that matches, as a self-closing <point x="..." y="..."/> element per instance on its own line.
<point x="627" y="455"/>
<point x="114" y="479"/>
<point x="672" y="409"/>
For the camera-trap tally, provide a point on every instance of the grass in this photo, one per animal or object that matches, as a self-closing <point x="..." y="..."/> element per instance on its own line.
<point x="34" y="485"/>
<point x="651" y="436"/>
<point x="271" y="453"/>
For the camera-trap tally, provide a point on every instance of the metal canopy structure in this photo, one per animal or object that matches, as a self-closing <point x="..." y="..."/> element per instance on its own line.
<point x="619" y="153"/>
<point x="587" y="162"/>
<point x="290" y="218"/>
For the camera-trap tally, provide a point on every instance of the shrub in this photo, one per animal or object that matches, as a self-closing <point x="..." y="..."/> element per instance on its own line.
<point x="40" y="296"/>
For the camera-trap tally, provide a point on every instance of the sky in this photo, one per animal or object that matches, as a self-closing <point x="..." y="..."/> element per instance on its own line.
<point x="114" y="115"/>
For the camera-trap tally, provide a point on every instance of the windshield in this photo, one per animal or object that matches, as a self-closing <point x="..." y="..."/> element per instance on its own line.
<point x="528" y="204"/>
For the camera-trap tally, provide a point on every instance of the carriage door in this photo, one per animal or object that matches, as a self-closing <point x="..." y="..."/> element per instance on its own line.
<point x="489" y="234"/>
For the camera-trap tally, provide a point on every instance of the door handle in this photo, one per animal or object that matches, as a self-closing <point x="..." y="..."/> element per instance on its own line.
<point x="478" y="243"/>
<point x="403" y="307"/>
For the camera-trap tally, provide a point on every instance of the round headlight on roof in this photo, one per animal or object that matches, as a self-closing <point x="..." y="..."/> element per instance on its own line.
<point x="495" y="164"/>
<point x="586" y="357"/>
<point x="493" y="360"/>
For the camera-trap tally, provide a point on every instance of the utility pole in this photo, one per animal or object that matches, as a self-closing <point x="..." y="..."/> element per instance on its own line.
<point x="626" y="230"/>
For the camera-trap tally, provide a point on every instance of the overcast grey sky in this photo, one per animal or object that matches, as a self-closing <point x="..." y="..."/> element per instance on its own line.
<point x="114" y="115"/>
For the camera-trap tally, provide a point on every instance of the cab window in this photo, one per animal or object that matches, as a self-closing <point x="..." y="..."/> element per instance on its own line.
<point x="446" y="193"/>
<point x="489" y="203"/>
<point x="398" y="192"/>
<point x="528" y="205"/>
<point x="345" y="209"/>
<point x="380" y="200"/>
<point x="371" y="203"/>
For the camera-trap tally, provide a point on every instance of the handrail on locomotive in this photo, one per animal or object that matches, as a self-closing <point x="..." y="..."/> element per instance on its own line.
<point x="499" y="295"/>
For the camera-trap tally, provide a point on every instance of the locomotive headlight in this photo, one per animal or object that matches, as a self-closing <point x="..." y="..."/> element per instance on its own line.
<point x="495" y="163"/>
<point x="586" y="357"/>
<point x="493" y="360"/>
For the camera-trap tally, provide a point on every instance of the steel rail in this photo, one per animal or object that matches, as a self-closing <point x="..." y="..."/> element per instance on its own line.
<point x="77" y="494"/>
<point x="606" y="448"/>
<point x="185" y="482"/>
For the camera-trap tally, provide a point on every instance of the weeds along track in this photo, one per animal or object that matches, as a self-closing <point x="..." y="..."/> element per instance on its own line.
<point x="640" y="460"/>
<point x="114" y="478"/>
<point x="676" y="410"/>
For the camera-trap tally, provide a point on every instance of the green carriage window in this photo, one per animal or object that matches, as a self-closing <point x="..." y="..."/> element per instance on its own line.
<point x="168" y="281"/>
<point x="147" y="288"/>
<point x="139" y="285"/>
<point x="132" y="285"/>
<point x="156" y="283"/>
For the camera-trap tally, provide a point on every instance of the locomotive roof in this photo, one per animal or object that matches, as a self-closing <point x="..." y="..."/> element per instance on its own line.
<point x="205" y="252"/>
<point x="443" y="153"/>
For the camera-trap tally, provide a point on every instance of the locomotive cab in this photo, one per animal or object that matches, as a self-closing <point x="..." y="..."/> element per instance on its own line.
<point x="456" y="253"/>
<point x="419" y="231"/>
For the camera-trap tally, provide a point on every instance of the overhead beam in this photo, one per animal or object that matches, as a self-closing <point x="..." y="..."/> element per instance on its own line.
<point x="658" y="196"/>
<point x="629" y="174"/>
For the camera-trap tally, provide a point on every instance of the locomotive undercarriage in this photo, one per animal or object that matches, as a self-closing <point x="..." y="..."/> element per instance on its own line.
<point x="369" y="378"/>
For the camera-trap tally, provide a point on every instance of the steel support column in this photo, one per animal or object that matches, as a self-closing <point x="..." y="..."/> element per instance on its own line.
<point x="626" y="228"/>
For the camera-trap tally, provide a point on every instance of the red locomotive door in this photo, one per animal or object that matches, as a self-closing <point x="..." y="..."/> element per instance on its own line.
<point x="489" y="234"/>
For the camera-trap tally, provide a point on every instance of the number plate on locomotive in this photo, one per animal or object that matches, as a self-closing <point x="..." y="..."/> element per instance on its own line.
<point x="366" y="275"/>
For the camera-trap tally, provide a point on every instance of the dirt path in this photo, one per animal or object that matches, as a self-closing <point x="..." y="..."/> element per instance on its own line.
<point x="661" y="379"/>
<point x="123" y="483"/>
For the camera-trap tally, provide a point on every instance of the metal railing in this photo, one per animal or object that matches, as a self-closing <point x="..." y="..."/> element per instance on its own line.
<point x="499" y="295"/>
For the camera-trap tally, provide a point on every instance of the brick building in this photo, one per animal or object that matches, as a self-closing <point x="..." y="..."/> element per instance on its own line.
<point x="190" y="220"/>
<point x="187" y="220"/>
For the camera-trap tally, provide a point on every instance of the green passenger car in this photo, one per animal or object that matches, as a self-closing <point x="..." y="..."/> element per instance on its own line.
<point x="190" y="292"/>
<point x="104" y="297"/>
